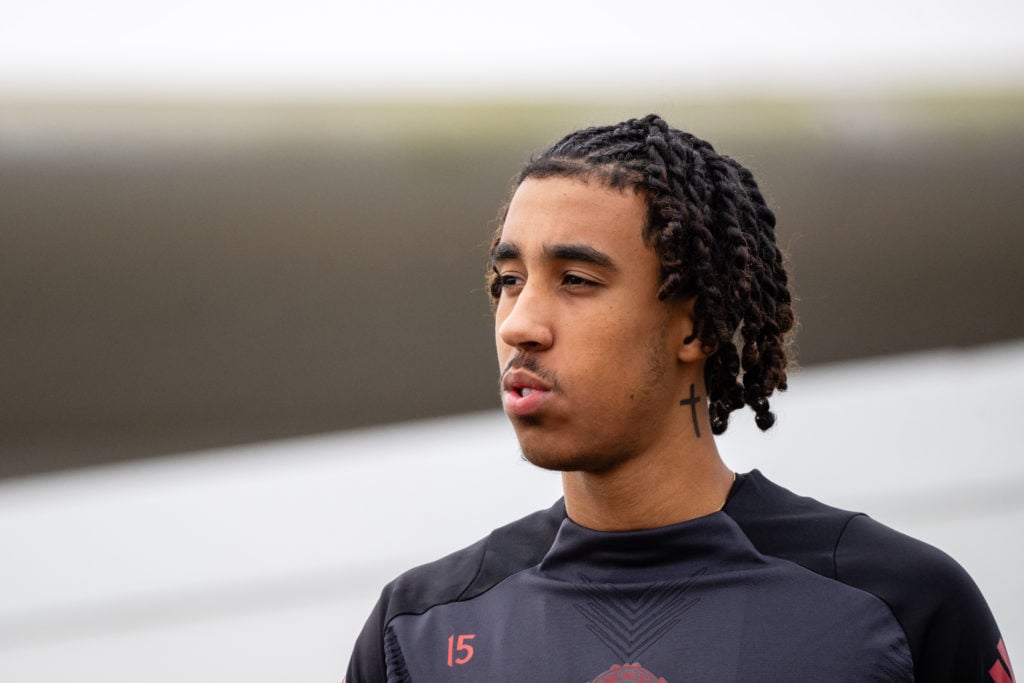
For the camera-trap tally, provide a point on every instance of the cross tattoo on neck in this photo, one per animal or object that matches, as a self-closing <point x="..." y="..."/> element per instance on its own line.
<point x="692" y="402"/>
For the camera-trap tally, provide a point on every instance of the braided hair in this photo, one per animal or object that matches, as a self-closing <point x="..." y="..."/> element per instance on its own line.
<point x="715" y="238"/>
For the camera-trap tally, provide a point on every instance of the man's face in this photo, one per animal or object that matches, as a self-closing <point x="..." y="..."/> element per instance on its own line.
<point x="587" y="352"/>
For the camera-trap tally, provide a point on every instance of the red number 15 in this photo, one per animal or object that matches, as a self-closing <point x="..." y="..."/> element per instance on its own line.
<point x="460" y="645"/>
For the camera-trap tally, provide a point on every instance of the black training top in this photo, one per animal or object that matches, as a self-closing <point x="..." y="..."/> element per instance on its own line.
<point x="773" y="588"/>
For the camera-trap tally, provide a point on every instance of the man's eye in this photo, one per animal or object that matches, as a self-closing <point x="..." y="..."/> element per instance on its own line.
<point x="504" y="282"/>
<point x="501" y="281"/>
<point x="576" y="280"/>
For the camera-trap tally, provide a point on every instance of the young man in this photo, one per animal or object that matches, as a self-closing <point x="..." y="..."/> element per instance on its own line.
<point x="639" y="299"/>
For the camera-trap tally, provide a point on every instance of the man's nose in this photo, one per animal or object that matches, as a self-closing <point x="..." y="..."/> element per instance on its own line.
<point x="527" y="324"/>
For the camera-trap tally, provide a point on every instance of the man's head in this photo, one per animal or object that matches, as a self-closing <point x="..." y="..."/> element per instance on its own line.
<point x="702" y="217"/>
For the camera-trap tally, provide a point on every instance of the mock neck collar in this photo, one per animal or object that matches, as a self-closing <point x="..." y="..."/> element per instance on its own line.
<point x="656" y="554"/>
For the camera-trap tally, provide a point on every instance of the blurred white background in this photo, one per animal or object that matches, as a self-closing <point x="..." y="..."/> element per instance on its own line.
<point x="261" y="563"/>
<point x="531" y="48"/>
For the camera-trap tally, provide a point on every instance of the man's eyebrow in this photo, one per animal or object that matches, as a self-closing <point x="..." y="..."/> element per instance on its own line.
<point x="508" y="251"/>
<point x="579" y="252"/>
<point x="504" y="251"/>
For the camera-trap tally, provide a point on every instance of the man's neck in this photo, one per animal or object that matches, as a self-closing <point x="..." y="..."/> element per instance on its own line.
<point x="650" y="491"/>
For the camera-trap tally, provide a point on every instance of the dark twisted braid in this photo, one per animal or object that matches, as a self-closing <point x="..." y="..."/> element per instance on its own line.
<point x="715" y="237"/>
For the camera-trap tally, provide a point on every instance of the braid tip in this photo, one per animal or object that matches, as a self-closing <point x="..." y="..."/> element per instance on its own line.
<point x="765" y="420"/>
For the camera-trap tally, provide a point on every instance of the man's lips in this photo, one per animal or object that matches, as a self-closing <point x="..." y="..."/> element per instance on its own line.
<point x="519" y="379"/>
<point x="523" y="392"/>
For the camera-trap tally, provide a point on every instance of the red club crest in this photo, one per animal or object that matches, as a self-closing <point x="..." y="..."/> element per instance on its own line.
<point x="628" y="673"/>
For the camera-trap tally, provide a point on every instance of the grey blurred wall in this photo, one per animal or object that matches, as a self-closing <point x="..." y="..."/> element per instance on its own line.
<point x="176" y="276"/>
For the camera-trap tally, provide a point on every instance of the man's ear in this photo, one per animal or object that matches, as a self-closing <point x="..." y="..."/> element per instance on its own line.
<point x="691" y="348"/>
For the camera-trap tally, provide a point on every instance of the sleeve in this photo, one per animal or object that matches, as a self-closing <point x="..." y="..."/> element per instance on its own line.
<point x="460" y="575"/>
<point x="367" y="663"/>
<point x="952" y="634"/>
<point x="413" y="592"/>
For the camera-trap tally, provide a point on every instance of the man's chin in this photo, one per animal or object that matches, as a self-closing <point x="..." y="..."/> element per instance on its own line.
<point x="568" y="461"/>
<point x="545" y="462"/>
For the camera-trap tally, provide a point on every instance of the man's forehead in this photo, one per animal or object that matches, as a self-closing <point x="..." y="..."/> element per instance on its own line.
<point x="547" y="212"/>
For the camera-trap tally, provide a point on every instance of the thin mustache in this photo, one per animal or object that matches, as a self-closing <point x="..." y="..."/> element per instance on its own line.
<point x="528" y="362"/>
